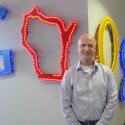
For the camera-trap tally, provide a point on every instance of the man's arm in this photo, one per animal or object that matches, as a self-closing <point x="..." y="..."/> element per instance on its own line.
<point x="66" y="101"/>
<point x="112" y="95"/>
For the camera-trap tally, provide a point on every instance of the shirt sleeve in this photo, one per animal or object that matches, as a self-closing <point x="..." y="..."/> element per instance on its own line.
<point x="112" y="95"/>
<point x="66" y="101"/>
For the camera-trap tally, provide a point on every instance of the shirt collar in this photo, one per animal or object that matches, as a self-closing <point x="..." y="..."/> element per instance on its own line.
<point x="78" y="65"/>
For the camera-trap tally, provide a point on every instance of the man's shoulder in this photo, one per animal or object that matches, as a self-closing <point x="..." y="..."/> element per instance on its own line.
<point x="71" y="69"/>
<point x="69" y="72"/>
<point x="105" y="68"/>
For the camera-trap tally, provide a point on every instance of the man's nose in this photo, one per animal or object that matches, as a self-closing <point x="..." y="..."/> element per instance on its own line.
<point x="86" y="48"/>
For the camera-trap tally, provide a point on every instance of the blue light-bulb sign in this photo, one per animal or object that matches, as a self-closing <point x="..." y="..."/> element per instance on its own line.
<point x="122" y="63"/>
<point x="3" y="12"/>
<point x="7" y="62"/>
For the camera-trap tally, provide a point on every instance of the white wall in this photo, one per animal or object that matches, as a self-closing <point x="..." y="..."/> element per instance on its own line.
<point x="97" y="9"/>
<point x="24" y="99"/>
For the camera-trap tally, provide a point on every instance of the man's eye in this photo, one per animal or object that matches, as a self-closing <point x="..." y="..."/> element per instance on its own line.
<point x="91" y="46"/>
<point x="83" y="45"/>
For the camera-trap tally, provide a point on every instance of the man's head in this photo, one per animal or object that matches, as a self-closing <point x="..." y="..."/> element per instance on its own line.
<point x="86" y="48"/>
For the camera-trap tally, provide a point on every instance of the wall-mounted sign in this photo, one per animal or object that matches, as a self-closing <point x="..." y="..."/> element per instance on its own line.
<point x="8" y="66"/>
<point x="122" y="63"/>
<point x="65" y="40"/>
<point x="3" y="12"/>
<point x="107" y="22"/>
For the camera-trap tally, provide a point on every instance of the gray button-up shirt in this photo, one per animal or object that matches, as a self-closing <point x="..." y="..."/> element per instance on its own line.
<point x="87" y="96"/>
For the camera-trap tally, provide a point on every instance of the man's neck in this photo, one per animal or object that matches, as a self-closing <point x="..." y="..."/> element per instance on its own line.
<point x="87" y="62"/>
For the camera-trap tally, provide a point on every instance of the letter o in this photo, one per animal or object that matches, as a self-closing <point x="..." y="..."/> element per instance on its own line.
<point x="107" y="22"/>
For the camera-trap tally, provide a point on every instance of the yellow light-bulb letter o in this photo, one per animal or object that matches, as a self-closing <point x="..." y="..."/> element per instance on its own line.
<point x="107" y="22"/>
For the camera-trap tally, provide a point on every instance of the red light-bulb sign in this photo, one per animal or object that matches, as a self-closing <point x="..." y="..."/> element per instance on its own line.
<point x="65" y="40"/>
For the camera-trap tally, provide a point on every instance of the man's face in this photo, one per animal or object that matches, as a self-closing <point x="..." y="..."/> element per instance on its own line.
<point x="86" y="49"/>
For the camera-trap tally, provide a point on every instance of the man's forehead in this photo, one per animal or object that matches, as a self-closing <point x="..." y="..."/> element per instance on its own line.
<point x="87" y="38"/>
<point x="80" y="42"/>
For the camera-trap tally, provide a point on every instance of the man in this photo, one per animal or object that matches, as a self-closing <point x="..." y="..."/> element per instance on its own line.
<point x="88" y="89"/>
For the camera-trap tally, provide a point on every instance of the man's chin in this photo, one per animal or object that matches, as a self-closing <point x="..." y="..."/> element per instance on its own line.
<point x="87" y="58"/>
